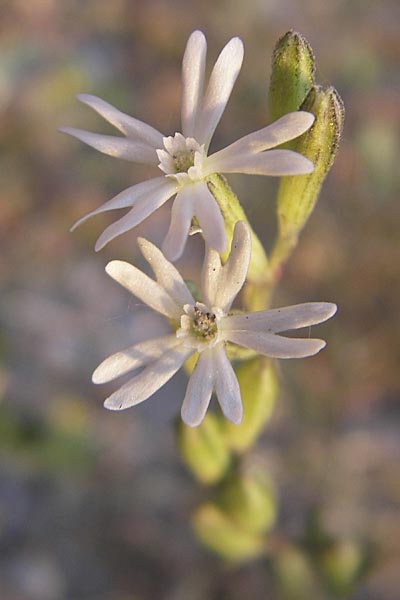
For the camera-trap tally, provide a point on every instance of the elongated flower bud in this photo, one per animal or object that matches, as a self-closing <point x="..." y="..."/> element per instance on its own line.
<point x="249" y="500"/>
<point x="297" y="195"/>
<point x="223" y="536"/>
<point x="203" y="449"/>
<point x="292" y="77"/>
<point x="258" y="387"/>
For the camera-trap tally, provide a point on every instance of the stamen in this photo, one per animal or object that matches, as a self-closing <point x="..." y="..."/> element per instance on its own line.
<point x="204" y="323"/>
<point x="183" y="161"/>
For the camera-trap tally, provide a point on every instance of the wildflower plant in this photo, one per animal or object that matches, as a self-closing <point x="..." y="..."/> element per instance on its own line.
<point x="224" y="334"/>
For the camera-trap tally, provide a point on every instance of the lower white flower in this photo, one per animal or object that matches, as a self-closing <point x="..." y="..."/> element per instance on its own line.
<point x="183" y="158"/>
<point x="203" y="328"/>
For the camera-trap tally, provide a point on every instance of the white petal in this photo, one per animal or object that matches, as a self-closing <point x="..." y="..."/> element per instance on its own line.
<point x="210" y="277"/>
<point x="219" y="284"/>
<point x="284" y="129"/>
<point x="235" y="270"/>
<point x="209" y="217"/>
<point x="199" y="390"/>
<point x="126" y="124"/>
<point x="143" y="207"/>
<point x="115" y="146"/>
<point x="167" y="275"/>
<point x="151" y="379"/>
<point x="227" y="387"/>
<point x="271" y="162"/>
<point x="181" y="217"/>
<point x="132" y="358"/>
<point x="219" y="89"/>
<point x="144" y="288"/>
<point x="126" y="198"/>
<point x="273" y="345"/>
<point x="193" y="67"/>
<point x="282" y="319"/>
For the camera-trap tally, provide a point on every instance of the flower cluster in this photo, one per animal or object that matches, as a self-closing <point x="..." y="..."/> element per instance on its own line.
<point x="183" y="158"/>
<point x="208" y="327"/>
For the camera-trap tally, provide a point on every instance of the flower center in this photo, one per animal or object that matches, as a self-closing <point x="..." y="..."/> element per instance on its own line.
<point x="199" y="327"/>
<point x="183" y="161"/>
<point x="181" y="158"/>
<point x="204" y="322"/>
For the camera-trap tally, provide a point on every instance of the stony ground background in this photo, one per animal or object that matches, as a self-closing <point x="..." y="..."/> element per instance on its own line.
<point x="93" y="505"/>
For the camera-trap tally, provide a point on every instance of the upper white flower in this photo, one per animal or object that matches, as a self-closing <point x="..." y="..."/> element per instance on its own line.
<point x="203" y="328"/>
<point x="183" y="158"/>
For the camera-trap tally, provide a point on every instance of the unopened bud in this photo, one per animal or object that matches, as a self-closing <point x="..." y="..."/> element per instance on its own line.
<point x="292" y="76"/>
<point x="223" y="536"/>
<point x="342" y="566"/>
<point x="249" y="500"/>
<point x="203" y="449"/>
<point x="258" y="388"/>
<point x="298" y="194"/>
<point x="295" y="574"/>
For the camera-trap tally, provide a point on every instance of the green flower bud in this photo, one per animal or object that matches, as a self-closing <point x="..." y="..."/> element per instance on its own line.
<point x="258" y="388"/>
<point x="295" y="574"/>
<point x="342" y="566"/>
<point x="249" y="501"/>
<point x="204" y="449"/>
<point x="297" y="195"/>
<point x="292" y="77"/>
<point x="223" y="536"/>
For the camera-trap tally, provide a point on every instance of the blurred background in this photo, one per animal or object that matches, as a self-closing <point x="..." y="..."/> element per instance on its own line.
<point x="94" y="505"/>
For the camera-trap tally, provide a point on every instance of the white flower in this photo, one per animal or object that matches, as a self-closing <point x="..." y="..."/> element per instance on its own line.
<point x="205" y="328"/>
<point x="183" y="157"/>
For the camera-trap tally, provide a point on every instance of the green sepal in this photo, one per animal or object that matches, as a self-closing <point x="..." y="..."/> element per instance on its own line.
<point x="292" y="76"/>
<point x="232" y="212"/>
<point x="248" y="499"/>
<point x="258" y="388"/>
<point x="203" y="449"/>
<point x="223" y="536"/>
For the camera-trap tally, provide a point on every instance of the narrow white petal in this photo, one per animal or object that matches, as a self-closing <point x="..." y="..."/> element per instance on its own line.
<point x="143" y="287"/>
<point x="284" y="129"/>
<point x="282" y="319"/>
<point x="235" y="270"/>
<point x="126" y="124"/>
<point x="272" y="162"/>
<point x="227" y="387"/>
<point x="199" y="390"/>
<point x="181" y="217"/>
<point x="132" y="358"/>
<point x="144" y="206"/>
<point x="193" y="68"/>
<point x="126" y="198"/>
<point x="151" y="379"/>
<point x="219" y="89"/>
<point x="115" y="146"/>
<point x="209" y="217"/>
<point x="210" y="277"/>
<point x="167" y="275"/>
<point x="273" y="345"/>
